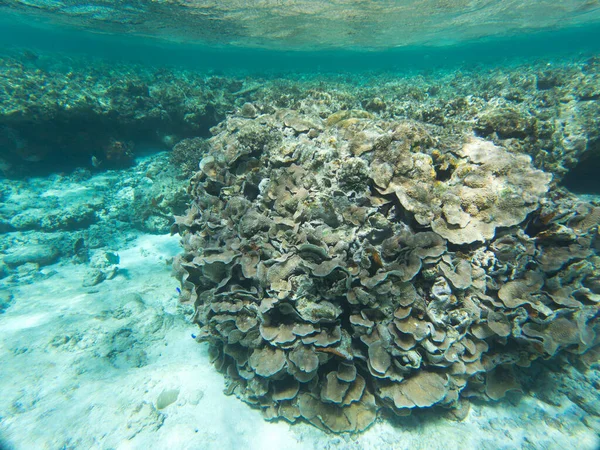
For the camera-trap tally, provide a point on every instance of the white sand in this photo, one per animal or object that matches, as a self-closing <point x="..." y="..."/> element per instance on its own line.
<point x="69" y="378"/>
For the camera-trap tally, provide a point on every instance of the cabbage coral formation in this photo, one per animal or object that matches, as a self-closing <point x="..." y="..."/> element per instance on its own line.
<point x="346" y="264"/>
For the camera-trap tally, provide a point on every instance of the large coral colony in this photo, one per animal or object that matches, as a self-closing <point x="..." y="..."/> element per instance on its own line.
<point x="346" y="264"/>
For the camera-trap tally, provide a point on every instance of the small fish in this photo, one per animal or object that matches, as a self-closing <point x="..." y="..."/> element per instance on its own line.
<point x="30" y="56"/>
<point x="96" y="162"/>
<point x="193" y="336"/>
<point x="178" y="290"/>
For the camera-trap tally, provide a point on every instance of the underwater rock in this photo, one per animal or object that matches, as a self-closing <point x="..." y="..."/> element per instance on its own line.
<point x="70" y="218"/>
<point x="93" y="277"/>
<point x="166" y="398"/>
<point x="378" y="268"/>
<point x="186" y="155"/>
<point x="144" y="416"/>
<point x="42" y="255"/>
<point x="248" y="111"/>
<point x="6" y="299"/>
<point x="58" y="117"/>
<point x="505" y="122"/>
<point x="125" y="351"/>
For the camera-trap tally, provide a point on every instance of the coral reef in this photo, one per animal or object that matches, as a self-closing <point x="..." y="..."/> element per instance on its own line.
<point x="382" y="243"/>
<point x="58" y="114"/>
<point x="187" y="153"/>
<point x="341" y="263"/>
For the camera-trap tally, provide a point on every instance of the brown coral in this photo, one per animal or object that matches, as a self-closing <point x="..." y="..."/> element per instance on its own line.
<point x="323" y="281"/>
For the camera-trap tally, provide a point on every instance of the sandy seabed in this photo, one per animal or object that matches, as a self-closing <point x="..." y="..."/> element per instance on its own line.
<point x="115" y="366"/>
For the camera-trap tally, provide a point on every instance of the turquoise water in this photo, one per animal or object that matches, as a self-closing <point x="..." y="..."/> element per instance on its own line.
<point x="491" y="51"/>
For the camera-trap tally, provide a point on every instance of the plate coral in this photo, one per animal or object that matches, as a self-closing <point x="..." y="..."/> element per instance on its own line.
<point x="344" y="265"/>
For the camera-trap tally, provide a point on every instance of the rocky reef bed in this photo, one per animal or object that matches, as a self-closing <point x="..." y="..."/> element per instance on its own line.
<point x="98" y="351"/>
<point x="66" y="217"/>
<point x="60" y="113"/>
<point x="115" y="366"/>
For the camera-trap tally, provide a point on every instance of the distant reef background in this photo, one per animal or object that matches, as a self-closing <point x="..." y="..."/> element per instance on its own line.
<point x="59" y="113"/>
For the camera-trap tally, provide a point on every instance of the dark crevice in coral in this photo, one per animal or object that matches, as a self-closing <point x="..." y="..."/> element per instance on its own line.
<point x="537" y="223"/>
<point x="588" y="98"/>
<point x="213" y="188"/>
<point x="245" y="163"/>
<point x="584" y="177"/>
<point x="49" y="137"/>
<point x="444" y="174"/>
<point x="394" y="209"/>
<point x="251" y="191"/>
<point x="64" y="144"/>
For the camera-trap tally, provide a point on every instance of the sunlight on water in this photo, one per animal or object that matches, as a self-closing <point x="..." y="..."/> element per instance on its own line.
<point x="310" y="24"/>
